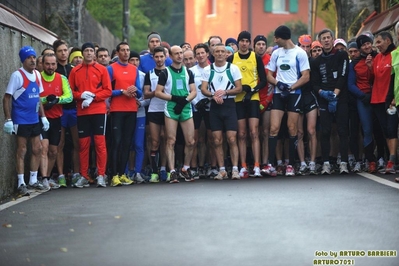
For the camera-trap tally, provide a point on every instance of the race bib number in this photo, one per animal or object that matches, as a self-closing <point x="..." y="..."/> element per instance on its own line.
<point x="179" y="84"/>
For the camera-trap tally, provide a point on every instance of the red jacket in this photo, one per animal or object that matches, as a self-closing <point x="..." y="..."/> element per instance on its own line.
<point x="122" y="77"/>
<point x="94" y="78"/>
<point x="265" y="98"/>
<point x="382" y="68"/>
<point x="364" y="76"/>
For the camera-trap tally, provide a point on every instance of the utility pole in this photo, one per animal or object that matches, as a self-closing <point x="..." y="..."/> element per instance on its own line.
<point x="126" y="13"/>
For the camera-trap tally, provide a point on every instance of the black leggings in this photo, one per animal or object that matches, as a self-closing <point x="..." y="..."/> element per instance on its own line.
<point x="341" y="118"/>
<point x="122" y="130"/>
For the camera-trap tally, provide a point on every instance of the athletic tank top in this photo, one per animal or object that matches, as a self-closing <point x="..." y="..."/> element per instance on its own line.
<point x="25" y="105"/>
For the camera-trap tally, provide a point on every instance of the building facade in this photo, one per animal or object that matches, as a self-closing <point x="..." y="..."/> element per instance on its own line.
<point x="227" y="18"/>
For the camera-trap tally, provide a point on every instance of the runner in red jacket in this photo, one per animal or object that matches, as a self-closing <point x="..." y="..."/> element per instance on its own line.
<point x="91" y="86"/>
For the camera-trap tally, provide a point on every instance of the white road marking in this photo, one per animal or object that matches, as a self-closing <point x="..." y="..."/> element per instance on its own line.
<point x="380" y="180"/>
<point x="19" y="200"/>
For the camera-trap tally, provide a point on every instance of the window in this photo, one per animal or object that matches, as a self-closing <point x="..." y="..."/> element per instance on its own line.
<point x="211" y="7"/>
<point x="281" y="6"/>
<point x="278" y="5"/>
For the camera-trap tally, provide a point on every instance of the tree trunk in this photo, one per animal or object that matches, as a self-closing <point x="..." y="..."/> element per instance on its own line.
<point x="343" y="19"/>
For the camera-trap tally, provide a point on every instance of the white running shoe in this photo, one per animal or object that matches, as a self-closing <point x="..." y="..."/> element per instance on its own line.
<point x="257" y="172"/>
<point x="326" y="170"/>
<point x="101" y="181"/>
<point x="343" y="168"/>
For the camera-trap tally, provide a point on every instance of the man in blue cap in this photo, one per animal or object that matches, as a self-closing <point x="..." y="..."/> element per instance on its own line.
<point x="22" y="106"/>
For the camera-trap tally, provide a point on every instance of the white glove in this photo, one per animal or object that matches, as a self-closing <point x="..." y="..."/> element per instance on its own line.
<point x="8" y="127"/>
<point x="86" y="103"/>
<point x="46" y="124"/>
<point x="87" y="95"/>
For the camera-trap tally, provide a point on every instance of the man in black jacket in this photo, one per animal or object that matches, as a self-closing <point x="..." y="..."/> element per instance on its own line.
<point x="329" y="80"/>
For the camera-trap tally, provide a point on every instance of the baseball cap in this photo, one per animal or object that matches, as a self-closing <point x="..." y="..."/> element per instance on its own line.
<point x="341" y="41"/>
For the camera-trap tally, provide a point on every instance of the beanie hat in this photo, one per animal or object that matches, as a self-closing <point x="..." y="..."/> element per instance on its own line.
<point x="316" y="44"/>
<point x="229" y="48"/>
<point x="75" y="54"/>
<point x="260" y="38"/>
<point x="352" y="45"/>
<point x="87" y="45"/>
<point x="25" y="52"/>
<point x="340" y="41"/>
<point x="283" y="32"/>
<point x="362" y="39"/>
<point x="305" y="39"/>
<point x="154" y="35"/>
<point x="134" y="54"/>
<point x="244" y="35"/>
<point x="231" y="40"/>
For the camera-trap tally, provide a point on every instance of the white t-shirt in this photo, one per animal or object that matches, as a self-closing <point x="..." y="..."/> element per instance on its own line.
<point x="16" y="81"/>
<point x="197" y="71"/>
<point x="220" y="79"/>
<point x="288" y="65"/>
<point x="156" y="104"/>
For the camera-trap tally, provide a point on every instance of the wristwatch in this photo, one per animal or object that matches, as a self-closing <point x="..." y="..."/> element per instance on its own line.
<point x="212" y="94"/>
<point x="122" y="91"/>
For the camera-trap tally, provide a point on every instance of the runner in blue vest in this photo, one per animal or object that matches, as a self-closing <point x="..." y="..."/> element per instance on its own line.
<point x="22" y="106"/>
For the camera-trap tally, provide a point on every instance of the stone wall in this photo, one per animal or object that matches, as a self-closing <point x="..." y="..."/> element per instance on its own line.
<point x="58" y="17"/>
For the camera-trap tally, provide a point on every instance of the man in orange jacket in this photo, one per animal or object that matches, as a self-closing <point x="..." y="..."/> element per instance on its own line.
<point x="91" y="86"/>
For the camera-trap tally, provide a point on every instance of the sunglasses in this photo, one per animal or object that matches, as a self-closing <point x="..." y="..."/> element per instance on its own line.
<point x="316" y="50"/>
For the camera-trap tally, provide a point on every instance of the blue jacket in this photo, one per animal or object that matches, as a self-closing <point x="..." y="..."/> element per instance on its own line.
<point x="147" y="63"/>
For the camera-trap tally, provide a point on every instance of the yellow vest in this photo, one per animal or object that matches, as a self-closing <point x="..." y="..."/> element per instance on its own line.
<point x="249" y="72"/>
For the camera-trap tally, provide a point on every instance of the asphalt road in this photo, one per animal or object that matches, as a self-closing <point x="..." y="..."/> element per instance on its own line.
<point x="267" y="221"/>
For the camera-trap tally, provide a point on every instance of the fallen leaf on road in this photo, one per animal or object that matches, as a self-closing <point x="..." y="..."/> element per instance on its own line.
<point x="7" y="225"/>
<point x="64" y="249"/>
<point x="71" y="230"/>
<point x="21" y="213"/>
<point x="117" y="217"/>
<point x="89" y="223"/>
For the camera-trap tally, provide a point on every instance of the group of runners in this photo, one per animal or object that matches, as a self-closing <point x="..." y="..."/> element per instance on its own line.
<point x="214" y="109"/>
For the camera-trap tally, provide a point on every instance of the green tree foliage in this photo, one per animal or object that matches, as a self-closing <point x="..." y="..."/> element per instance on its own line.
<point x="326" y="11"/>
<point x="145" y="16"/>
<point x="108" y="13"/>
<point x="173" y="30"/>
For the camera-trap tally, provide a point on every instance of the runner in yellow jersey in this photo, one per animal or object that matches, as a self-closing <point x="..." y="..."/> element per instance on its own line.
<point x="247" y="102"/>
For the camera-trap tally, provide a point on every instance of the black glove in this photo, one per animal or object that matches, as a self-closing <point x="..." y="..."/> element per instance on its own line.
<point x="179" y="99"/>
<point x="247" y="97"/>
<point x="180" y="105"/>
<point x="202" y="103"/>
<point x="178" y="108"/>
<point x="51" y="97"/>
<point x="246" y="88"/>
<point x="50" y="104"/>
<point x="366" y="98"/>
